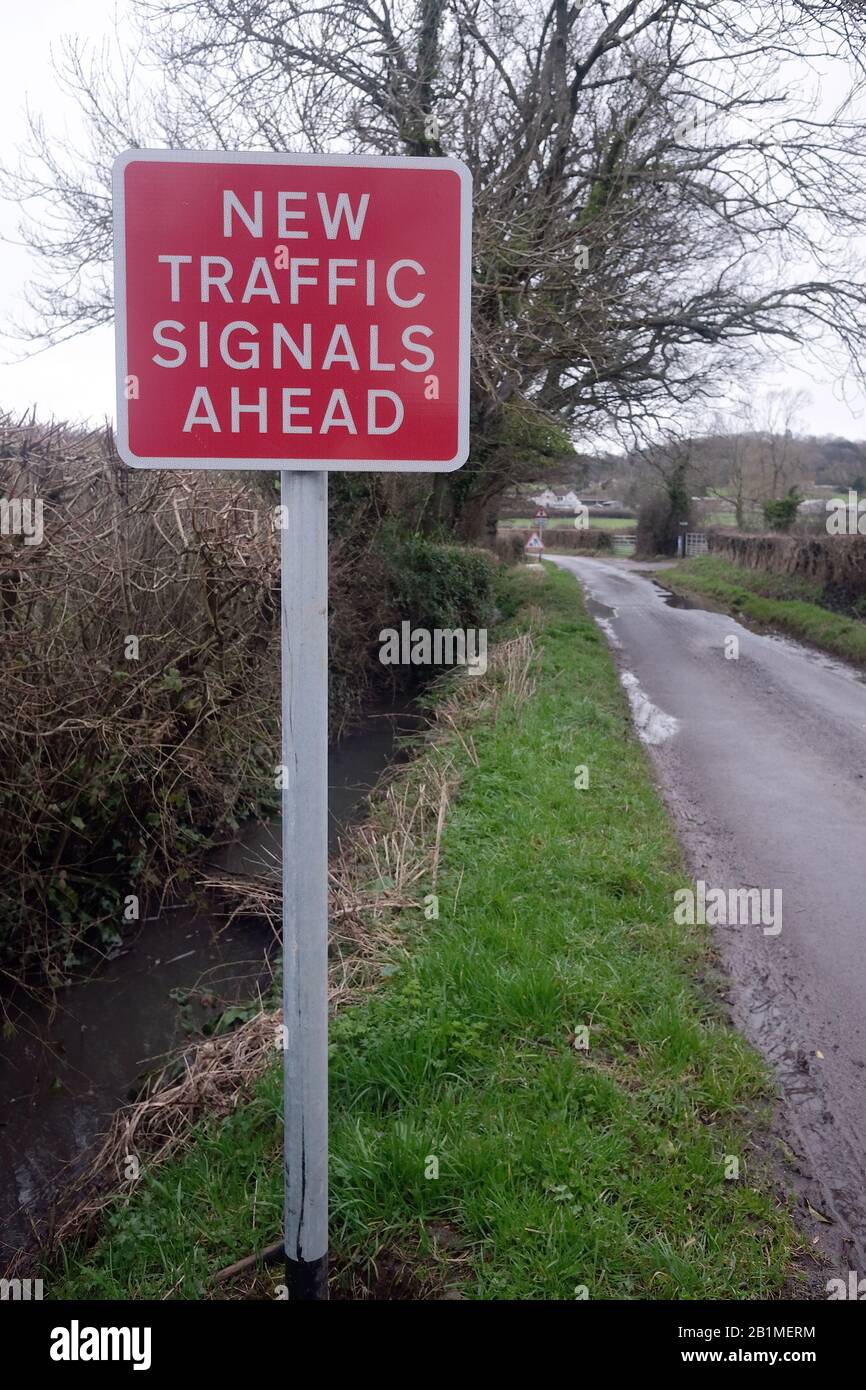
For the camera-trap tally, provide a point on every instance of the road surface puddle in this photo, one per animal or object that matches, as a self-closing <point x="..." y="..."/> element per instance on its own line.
<point x="603" y="614"/>
<point x="652" y="725"/>
<point x="676" y="600"/>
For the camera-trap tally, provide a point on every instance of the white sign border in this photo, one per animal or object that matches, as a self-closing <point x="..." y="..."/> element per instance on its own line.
<point x="332" y="160"/>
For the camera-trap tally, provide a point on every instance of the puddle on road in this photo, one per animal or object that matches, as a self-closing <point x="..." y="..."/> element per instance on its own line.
<point x="797" y="646"/>
<point x="652" y="725"/>
<point x="603" y="613"/>
<point x="678" y="600"/>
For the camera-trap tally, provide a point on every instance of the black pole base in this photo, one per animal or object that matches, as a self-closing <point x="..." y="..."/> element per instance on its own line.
<point x="307" y="1280"/>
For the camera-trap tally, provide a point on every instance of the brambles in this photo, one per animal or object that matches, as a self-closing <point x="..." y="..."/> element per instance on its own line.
<point x="137" y="685"/>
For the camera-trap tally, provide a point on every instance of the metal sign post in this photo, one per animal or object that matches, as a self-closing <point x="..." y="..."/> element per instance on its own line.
<point x="305" y="313"/>
<point x="533" y="548"/>
<point x="304" y="640"/>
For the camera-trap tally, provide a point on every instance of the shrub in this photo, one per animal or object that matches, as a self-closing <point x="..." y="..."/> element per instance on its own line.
<point x="579" y="538"/>
<point x="780" y="513"/>
<point x="510" y="546"/>
<point x="139" y="688"/>
<point x="444" y="586"/>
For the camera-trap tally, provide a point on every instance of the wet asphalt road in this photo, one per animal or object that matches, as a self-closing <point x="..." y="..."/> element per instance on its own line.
<point x="762" y="760"/>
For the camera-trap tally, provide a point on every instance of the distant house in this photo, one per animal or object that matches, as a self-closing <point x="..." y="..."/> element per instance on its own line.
<point x="557" y="502"/>
<point x="548" y="498"/>
<point x="570" y="502"/>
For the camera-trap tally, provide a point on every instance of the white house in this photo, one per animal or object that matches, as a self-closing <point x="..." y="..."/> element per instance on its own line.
<point x="547" y="498"/>
<point x="570" y="502"/>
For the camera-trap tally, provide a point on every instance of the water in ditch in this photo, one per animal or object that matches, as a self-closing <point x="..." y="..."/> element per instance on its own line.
<point x="69" y="1066"/>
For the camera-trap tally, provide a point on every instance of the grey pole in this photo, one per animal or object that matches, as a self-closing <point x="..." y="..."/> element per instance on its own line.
<point x="304" y="627"/>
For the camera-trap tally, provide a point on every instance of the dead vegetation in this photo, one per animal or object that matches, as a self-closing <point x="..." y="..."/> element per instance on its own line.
<point x="384" y="869"/>
<point x="140" y="674"/>
<point x="137" y="688"/>
<point x="838" y="562"/>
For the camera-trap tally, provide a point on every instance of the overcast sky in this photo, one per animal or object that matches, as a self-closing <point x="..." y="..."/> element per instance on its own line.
<point x="76" y="380"/>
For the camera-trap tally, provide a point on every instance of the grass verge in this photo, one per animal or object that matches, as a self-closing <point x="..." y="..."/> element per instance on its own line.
<point x="476" y="1146"/>
<point x="787" y="602"/>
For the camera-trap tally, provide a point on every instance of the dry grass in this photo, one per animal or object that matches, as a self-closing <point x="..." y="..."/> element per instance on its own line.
<point x="384" y="868"/>
<point x="140" y="675"/>
<point x="137" y="688"/>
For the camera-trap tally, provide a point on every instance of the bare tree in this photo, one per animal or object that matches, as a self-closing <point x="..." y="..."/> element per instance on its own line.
<point x="649" y="184"/>
<point x="724" y="462"/>
<point x="752" y="452"/>
<point x="776" y="418"/>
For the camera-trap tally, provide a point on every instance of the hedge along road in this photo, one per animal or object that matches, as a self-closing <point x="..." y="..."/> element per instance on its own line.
<point x="761" y="759"/>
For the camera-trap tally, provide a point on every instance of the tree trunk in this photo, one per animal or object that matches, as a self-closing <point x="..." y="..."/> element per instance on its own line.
<point x="439" y="512"/>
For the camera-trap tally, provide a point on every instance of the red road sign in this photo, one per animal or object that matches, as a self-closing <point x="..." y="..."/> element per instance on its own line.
<point x="292" y="311"/>
<point x="541" y="513"/>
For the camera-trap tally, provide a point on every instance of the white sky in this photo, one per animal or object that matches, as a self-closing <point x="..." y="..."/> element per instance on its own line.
<point x="75" y="381"/>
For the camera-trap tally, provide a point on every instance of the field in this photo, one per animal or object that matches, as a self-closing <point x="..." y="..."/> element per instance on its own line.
<point x="597" y="523"/>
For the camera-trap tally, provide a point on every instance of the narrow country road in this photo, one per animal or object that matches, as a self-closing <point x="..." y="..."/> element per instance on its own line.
<point x="762" y="760"/>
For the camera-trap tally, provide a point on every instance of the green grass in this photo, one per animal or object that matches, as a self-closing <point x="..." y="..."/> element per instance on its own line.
<point x="554" y="522"/>
<point x="781" y="601"/>
<point x="557" y="1168"/>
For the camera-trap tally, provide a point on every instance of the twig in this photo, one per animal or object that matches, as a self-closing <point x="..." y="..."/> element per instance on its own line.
<point x="268" y="1256"/>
